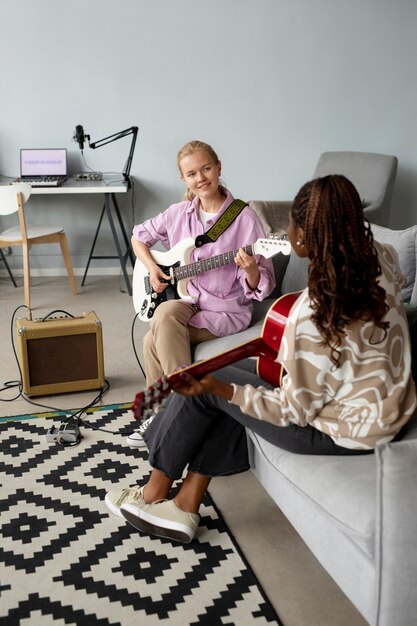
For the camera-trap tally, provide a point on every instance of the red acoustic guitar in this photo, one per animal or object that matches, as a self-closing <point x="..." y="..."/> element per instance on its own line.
<point x="265" y="347"/>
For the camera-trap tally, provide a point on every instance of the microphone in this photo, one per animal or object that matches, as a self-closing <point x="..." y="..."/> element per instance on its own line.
<point x="79" y="136"/>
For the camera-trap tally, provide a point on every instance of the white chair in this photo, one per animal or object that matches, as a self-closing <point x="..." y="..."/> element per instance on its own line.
<point x="12" y="200"/>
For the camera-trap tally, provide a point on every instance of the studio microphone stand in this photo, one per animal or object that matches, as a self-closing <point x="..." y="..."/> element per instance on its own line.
<point x="80" y="137"/>
<point x="133" y="130"/>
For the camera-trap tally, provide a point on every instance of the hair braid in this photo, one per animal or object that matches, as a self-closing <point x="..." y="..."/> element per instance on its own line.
<point x="340" y="246"/>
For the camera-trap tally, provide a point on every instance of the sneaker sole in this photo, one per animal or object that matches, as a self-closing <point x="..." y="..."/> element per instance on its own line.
<point x="135" y="443"/>
<point x="145" y="523"/>
<point x="115" y="510"/>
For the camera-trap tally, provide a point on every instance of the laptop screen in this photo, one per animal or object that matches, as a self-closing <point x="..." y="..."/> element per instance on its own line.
<point x="43" y="162"/>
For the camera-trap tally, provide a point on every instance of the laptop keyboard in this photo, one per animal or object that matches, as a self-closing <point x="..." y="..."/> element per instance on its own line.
<point x="42" y="181"/>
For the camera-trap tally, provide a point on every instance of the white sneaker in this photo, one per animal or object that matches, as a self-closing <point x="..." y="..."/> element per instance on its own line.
<point x="135" y="440"/>
<point x="115" y="499"/>
<point x="162" y="518"/>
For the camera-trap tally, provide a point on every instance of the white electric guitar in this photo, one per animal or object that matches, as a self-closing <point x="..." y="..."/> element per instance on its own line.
<point x="176" y="264"/>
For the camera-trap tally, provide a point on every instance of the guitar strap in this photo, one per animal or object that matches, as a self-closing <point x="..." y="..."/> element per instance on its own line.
<point x="228" y="217"/>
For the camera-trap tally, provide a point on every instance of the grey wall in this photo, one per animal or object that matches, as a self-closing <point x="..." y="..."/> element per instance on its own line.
<point x="269" y="83"/>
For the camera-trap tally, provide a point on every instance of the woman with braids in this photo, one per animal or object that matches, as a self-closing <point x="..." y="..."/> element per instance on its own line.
<point x="345" y="351"/>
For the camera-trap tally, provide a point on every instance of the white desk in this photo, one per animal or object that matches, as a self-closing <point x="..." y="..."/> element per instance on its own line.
<point x="109" y="189"/>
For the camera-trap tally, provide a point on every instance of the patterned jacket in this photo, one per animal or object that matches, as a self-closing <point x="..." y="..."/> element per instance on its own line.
<point x="362" y="403"/>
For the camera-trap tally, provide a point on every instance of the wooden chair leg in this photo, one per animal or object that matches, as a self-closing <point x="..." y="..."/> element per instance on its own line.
<point x="65" y="253"/>
<point x="26" y="274"/>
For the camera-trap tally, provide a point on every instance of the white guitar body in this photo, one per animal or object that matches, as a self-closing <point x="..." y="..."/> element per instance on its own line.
<point x="177" y="264"/>
<point x="145" y="303"/>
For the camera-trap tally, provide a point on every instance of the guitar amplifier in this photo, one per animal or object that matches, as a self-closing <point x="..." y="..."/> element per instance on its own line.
<point x="60" y="354"/>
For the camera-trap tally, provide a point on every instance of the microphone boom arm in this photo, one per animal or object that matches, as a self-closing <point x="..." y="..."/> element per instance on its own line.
<point x="133" y="130"/>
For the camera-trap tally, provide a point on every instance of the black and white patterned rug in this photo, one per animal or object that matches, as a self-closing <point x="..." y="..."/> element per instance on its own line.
<point x="65" y="560"/>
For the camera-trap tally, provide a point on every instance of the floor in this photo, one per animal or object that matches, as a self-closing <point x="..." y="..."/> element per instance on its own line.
<point x="300" y="589"/>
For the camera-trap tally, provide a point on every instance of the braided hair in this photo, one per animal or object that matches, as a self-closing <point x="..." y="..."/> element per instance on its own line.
<point x="344" y="267"/>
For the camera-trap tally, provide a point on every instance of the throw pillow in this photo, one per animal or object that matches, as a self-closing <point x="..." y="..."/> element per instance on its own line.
<point x="405" y="243"/>
<point x="273" y="214"/>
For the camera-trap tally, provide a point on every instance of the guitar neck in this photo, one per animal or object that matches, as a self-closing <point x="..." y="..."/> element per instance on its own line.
<point x="254" y="347"/>
<point x="199" y="267"/>
<point x="265" y="347"/>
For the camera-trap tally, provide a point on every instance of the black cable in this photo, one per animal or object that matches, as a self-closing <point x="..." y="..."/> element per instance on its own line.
<point x="70" y="414"/>
<point x="133" y="344"/>
<point x="15" y="383"/>
<point x="57" y="311"/>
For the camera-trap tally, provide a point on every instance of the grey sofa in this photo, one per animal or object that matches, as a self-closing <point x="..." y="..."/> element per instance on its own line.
<point x="372" y="174"/>
<point x="357" y="515"/>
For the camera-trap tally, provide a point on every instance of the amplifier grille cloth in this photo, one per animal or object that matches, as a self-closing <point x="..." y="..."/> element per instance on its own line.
<point x="62" y="359"/>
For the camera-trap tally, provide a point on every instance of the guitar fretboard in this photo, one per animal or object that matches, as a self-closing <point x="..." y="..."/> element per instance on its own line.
<point x="199" y="267"/>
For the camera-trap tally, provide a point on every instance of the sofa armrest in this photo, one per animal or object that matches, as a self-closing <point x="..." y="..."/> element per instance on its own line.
<point x="396" y="527"/>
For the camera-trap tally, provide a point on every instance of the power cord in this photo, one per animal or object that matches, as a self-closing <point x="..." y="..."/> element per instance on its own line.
<point x="133" y="344"/>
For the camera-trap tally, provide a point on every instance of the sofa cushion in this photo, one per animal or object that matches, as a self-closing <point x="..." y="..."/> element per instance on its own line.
<point x="342" y="488"/>
<point x="405" y="243"/>
<point x="295" y="278"/>
<point x="207" y="349"/>
<point x="280" y="263"/>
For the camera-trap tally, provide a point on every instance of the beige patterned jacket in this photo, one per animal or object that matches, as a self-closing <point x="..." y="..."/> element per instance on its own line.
<point x="363" y="403"/>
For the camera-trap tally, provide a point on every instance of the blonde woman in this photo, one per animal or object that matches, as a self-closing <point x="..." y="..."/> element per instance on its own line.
<point x="223" y="296"/>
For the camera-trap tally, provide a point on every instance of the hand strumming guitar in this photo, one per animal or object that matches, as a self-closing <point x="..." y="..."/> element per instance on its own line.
<point x="158" y="279"/>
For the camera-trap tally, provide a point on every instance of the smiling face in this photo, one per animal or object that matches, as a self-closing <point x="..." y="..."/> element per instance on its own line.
<point x="201" y="174"/>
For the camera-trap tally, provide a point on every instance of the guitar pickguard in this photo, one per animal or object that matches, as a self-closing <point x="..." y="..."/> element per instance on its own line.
<point x="153" y="299"/>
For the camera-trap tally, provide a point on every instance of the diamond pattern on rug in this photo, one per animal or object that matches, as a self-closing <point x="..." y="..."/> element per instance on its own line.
<point x="64" y="559"/>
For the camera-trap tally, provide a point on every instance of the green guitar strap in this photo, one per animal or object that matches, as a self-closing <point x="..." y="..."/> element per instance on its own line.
<point x="228" y="217"/>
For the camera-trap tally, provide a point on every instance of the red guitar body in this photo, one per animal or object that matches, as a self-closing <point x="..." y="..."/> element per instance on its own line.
<point x="265" y="348"/>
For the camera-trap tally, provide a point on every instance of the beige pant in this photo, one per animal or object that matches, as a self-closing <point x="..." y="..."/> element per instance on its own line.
<point x="167" y="344"/>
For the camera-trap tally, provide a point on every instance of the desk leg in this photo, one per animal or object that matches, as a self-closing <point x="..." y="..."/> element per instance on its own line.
<point x="122" y="257"/>
<point x="123" y="231"/>
<point x="90" y="256"/>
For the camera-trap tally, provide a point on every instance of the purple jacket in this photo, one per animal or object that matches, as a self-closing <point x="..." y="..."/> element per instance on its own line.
<point x="224" y="304"/>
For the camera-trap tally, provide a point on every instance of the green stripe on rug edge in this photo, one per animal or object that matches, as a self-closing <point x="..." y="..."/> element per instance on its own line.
<point x="63" y="413"/>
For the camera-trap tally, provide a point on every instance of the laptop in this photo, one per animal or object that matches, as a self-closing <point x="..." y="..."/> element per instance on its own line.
<point x="43" y="167"/>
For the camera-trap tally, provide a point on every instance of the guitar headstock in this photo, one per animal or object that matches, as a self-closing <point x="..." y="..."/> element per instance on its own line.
<point x="147" y="401"/>
<point x="271" y="245"/>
